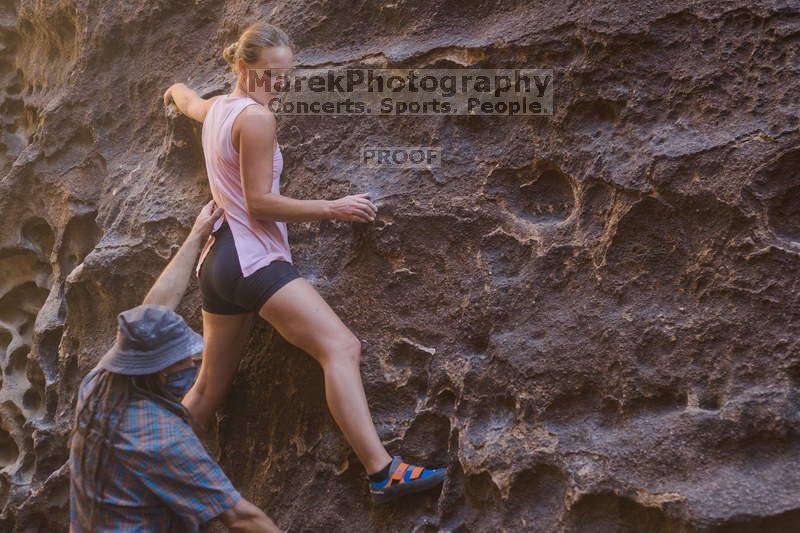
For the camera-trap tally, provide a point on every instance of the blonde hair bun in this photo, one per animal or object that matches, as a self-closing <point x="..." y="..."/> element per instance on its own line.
<point x="250" y="43"/>
<point x="229" y="54"/>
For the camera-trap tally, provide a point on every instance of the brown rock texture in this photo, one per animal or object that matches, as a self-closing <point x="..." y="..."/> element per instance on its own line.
<point x="592" y="317"/>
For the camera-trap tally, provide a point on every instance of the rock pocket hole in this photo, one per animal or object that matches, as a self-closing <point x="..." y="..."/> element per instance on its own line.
<point x="18" y="360"/>
<point x="39" y="234"/>
<point x="494" y="415"/>
<point x="80" y="237"/>
<point x="427" y="437"/>
<point x="5" y="339"/>
<point x="536" y="497"/>
<point x="504" y="254"/>
<point x="27" y="467"/>
<point x="48" y="352"/>
<point x="784" y="214"/>
<point x="481" y="489"/>
<point x="32" y="400"/>
<point x="593" y="115"/>
<point x="5" y="488"/>
<point x="8" y="448"/>
<point x="548" y="197"/>
<point x="542" y="194"/>
<point x="612" y="512"/>
<point x="33" y="397"/>
<point x="709" y="401"/>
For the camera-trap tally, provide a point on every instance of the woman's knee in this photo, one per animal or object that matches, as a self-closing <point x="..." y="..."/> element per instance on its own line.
<point x="344" y="350"/>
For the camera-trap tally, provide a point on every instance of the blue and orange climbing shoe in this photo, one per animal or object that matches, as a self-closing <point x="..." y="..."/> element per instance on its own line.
<point x="405" y="479"/>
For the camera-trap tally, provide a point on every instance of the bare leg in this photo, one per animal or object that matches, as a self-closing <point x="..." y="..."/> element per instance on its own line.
<point x="224" y="338"/>
<point x="303" y="318"/>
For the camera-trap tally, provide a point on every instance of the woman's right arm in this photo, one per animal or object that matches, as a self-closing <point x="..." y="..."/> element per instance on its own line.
<point x="187" y="101"/>
<point x="256" y="149"/>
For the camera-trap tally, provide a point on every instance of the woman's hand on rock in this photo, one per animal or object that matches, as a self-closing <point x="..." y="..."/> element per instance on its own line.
<point x="353" y="208"/>
<point x="168" y="96"/>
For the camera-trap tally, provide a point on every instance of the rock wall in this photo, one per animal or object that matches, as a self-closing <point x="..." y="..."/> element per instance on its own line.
<point x="592" y="317"/>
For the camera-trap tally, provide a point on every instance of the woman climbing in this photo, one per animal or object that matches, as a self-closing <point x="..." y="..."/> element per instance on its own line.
<point x="246" y="266"/>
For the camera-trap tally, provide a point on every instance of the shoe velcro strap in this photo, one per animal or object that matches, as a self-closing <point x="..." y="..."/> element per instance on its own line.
<point x="398" y="474"/>
<point x="416" y="472"/>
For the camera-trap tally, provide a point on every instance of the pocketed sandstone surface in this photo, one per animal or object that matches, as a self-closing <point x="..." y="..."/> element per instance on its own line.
<point x="591" y="317"/>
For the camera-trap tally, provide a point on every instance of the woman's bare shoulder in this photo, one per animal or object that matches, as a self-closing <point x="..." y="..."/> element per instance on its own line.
<point x="256" y="118"/>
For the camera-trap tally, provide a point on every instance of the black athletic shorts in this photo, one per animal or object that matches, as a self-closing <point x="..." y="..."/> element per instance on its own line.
<point x="225" y="290"/>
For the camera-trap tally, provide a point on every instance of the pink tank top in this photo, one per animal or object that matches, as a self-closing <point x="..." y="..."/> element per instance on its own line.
<point x="259" y="241"/>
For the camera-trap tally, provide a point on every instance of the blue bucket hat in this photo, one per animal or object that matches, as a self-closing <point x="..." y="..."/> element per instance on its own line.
<point x="149" y="339"/>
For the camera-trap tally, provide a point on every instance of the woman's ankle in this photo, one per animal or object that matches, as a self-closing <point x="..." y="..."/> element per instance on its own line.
<point x="381" y="462"/>
<point x="380" y="475"/>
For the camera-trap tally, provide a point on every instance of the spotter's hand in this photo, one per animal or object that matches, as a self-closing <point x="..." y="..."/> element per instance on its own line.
<point x="205" y="220"/>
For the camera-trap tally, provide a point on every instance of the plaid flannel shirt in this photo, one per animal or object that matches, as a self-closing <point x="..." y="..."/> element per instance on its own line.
<point x="158" y="476"/>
